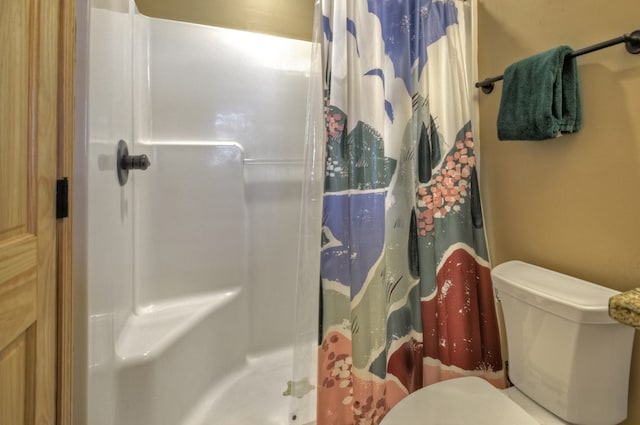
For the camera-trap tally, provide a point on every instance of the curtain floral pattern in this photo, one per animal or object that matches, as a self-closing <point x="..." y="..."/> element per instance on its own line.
<point x="406" y="294"/>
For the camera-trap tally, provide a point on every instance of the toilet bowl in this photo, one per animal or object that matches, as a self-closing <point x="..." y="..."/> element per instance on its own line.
<point x="469" y="400"/>
<point x="568" y="360"/>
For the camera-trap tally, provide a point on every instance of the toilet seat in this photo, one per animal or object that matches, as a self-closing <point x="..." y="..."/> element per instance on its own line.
<point x="460" y="401"/>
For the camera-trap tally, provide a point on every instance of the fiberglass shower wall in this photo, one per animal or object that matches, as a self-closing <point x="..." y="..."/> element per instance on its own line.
<point x="212" y="225"/>
<point x="200" y="86"/>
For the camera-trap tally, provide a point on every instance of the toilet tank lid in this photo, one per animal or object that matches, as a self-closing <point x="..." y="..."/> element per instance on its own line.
<point x="567" y="296"/>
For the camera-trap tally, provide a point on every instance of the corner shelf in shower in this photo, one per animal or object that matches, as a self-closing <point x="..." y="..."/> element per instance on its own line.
<point x="150" y="332"/>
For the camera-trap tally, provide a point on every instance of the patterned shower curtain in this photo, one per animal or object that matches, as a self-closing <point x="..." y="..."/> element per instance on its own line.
<point x="406" y="294"/>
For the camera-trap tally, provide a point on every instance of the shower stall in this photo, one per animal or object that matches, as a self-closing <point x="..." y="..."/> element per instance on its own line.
<point x="187" y="273"/>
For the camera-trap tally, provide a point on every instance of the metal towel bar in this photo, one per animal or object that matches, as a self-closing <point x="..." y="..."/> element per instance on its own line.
<point x="632" y="44"/>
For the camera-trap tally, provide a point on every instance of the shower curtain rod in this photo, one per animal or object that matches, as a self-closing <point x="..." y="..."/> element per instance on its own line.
<point x="632" y="44"/>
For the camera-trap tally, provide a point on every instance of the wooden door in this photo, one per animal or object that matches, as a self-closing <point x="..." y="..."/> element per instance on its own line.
<point x="29" y="90"/>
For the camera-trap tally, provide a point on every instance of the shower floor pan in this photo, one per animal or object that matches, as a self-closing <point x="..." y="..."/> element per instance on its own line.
<point x="187" y="363"/>
<point x="253" y="395"/>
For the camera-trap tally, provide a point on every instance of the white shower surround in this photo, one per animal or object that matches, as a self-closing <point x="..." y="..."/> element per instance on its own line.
<point x="191" y="267"/>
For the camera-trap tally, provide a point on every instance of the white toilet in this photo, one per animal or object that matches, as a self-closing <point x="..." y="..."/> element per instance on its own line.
<point x="568" y="360"/>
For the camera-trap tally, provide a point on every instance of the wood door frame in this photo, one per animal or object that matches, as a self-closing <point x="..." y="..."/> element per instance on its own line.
<point x="37" y="119"/>
<point x="66" y="140"/>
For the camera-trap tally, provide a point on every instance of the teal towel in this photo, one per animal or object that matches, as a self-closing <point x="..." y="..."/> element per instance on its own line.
<point x="540" y="97"/>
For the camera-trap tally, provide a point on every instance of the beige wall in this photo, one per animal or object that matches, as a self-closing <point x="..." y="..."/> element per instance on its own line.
<point x="571" y="204"/>
<point x="285" y="18"/>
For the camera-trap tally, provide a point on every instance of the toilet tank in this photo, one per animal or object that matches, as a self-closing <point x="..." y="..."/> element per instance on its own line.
<point x="565" y="352"/>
